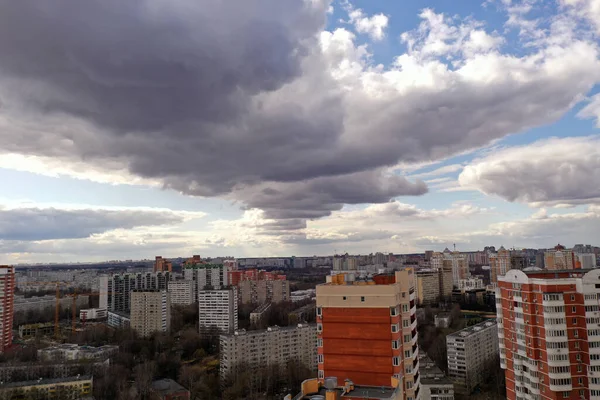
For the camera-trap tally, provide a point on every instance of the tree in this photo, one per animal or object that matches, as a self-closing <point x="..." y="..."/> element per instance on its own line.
<point x="144" y="375"/>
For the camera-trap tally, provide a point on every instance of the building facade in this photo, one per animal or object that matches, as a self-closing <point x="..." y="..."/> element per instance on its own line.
<point x="118" y="320"/>
<point x="435" y="385"/>
<point x="115" y="290"/>
<point x="74" y="387"/>
<point x="218" y="308"/>
<point x="7" y="294"/>
<point x="73" y="352"/>
<point x="470" y="351"/>
<point x="93" y="314"/>
<point x="162" y="265"/>
<point x="182" y="292"/>
<point x="206" y="276"/>
<point x="499" y="264"/>
<point x="262" y="291"/>
<point x="427" y="286"/>
<point x="559" y="258"/>
<point x="367" y="330"/>
<point x="150" y="311"/>
<point x="549" y="333"/>
<point x="272" y="346"/>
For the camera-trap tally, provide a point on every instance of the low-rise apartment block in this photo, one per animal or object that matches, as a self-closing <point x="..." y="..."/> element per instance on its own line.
<point x="469" y="352"/>
<point x="435" y="384"/>
<point x="271" y="346"/>
<point x="118" y="320"/>
<point x="75" y="387"/>
<point x="71" y="352"/>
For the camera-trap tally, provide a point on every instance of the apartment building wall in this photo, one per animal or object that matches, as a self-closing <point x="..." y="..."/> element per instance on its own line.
<point x="115" y="290"/>
<point x="469" y="352"/>
<point x="218" y="308"/>
<point x="549" y="333"/>
<point x="182" y="292"/>
<point x="499" y="264"/>
<point x="204" y="275"/>
<point x="150" y="312"/>
<point x="262" y="291"/>
<point x="7" y="293"/>
<point x="270" y="346"/>
<point x="427" y="287"/>
<point x="366" y="331"/>
<point x="558" y="259"/>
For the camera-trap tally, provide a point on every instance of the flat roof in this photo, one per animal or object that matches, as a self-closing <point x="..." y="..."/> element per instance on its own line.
<point x="436" y="381"/>
<point x="243" y="332"/>
<point x="52" y="381"/>
<point x="366" y="392"/>
<point x="167" y="386"/>
<point x="475" y="328"/>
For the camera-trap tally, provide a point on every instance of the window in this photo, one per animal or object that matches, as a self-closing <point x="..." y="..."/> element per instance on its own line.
<point x="408" y="369"/>
<point x="320" y="358"/>
<point x="576" y="333"/>
<point x="581" y="381"/>
<point x="344" y="298"/>
<point x="574" y="320"/>
<point x="362" y="298"/>
<point x="579" y="369"/>
<point x="572" y="297"/>
<point x="395" y="328"/>
<point x="566" y="395"/>
<point x="319" y="311"/>
<point x="395" y="361"/>
<point x="395" y="345"/>
<point x="576" y="345"/>
<point x="409" y="384"/>
<point x="405" y="323"/>
<point x="407" y="353"/>
<point x="404" y="307"/>
<point x="552" y="296"/>
<point x="321" y="374"/>
<point x="407" y="338"/>
<point x="319" y="327"/>
<point x="393" y="311"/>
<point x="319" y="342"/>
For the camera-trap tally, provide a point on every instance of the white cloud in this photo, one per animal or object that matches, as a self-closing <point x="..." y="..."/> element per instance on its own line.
<point x="445" y="170"/>
<point x="555" y="171"/>
<point x="592" y="110"/>
<point x="374" y="26"/>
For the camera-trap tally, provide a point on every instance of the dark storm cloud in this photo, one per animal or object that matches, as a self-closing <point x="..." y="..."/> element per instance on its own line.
<point x="236" y="99"/>
<point x="28" y="224"/>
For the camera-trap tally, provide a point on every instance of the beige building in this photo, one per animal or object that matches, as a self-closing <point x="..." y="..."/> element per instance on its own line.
<point x="559" y="258"/>
<point x="271" y="346"/>
<point x="427" y="286"/>
<point x="499" y="264"/>
<point x="75" y="387"/>
<point x="218" y="308"/>
<point x="150" y="311"/>
<point x="182" y="292"/>
<point x="264" y="291"/>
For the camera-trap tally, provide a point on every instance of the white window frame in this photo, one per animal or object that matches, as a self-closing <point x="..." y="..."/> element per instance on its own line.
<point x="319" y="312"/>
<point x="395" y="328"/>
<point x="319" y="342"/>
<point x="321" y="374"/>
<point x="319" y="327"/>
<point x="396" y="361"/>
<point x="393" y="311"/>
<point x="395" y="345"/>
<point x="320" y="358"/>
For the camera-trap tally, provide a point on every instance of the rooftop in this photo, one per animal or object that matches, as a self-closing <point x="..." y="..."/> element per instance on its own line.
<point x="362" y="392"/>
<point x="120" y="314"/>
<point x="167" y="386"/>
<point x="45" y="381"/>
<point x="474" y="329"/>
<point x="271" y="329"/>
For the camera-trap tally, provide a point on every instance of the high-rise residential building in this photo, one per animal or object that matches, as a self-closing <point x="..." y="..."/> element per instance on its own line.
<point x="549" y="333"/>
<point x="499" y="264"/>
<point x="459" y="264"/>
<point x="338" y="263"/>
<point x="272" y="346"/>
<point x="427" y="286"/>
<point x="299" y="262"/>
<point x="162" y="265"/>
<point x="518" y="259"/>
<point x="470" y="284"/>
<point x="7" y="294"/>
<point x="182" y="292"/>
<point x="262" y="291"/>
<point x="218" y="308"/>
<point x="586" y="260"/>
<point x="559" y="258"/>
<point x="367" y="330"/>
<point x="115" y="290"/>
<point x="206" y="276"/>
<point x="150" y="311"/>
<point x="379" y="258"/>
<point x="470" y="352"/>
<point x="351" y="264"/>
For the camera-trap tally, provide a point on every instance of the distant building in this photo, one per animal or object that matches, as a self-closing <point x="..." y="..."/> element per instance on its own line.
<point x="559" y="258"/>
<point x="150" y="311"/>
<point x="300" y="295"/>
<point x="118" y="320"/>
<point x="272" y="346"/>
<point x="74" y="387"/>
<point x="262" y="291"/>
<point x="442" y="320"/>
<point x="259" y="313"/>
<point x="182" y="292"/>
<point x="168" y="389"/>
<point x="115" y="290"/>
<point x="499" y="264"/>
<point x="379" y="258"/>
<point x="93" y="314"/>
<point x="162" y="265"/>
<point x="218" y="308"/>
<point x="470" y="284"/>
<point x="205" y="275"/>
<point x="351" y="264"/>
<point x="299" y="262"/>
<point x="30" y="331"/>
<point x="72" y="352"/>
<point x="469" y="352"/>
<point x="586" y="260"/>
<point x="428" y="286"/>
<point x="332" y="388"/>
<point x="338" y="263"/>
<point x="7" y="293"/>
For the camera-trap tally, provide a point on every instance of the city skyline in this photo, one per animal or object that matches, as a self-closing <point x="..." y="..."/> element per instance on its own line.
<point x="305" y="127"/>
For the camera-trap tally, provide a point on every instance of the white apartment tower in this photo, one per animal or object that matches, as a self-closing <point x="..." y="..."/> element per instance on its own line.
<point x="182" y="292"/>
<point x="218" y="308"/>
<point x="115" y="290"/>
<point x="150" y="311"/>
<point x="205" y="276"/>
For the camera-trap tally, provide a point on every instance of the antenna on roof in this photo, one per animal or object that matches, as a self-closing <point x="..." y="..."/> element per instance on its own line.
<point x="454" y="246"/>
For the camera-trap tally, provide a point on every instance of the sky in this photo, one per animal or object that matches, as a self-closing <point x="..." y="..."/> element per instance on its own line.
<point x="296" y="127"/>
